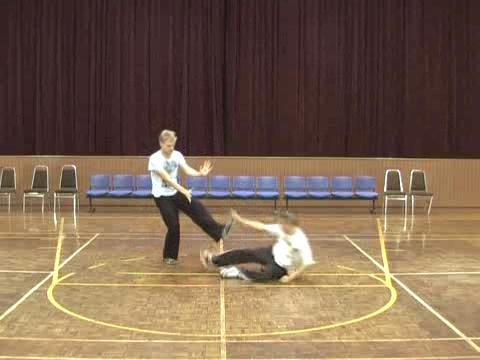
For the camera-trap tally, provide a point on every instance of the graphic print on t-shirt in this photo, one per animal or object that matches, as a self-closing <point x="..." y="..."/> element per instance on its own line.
<point x="169" y="167"/>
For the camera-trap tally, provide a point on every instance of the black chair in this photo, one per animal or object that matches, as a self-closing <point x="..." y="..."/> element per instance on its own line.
<point x="8" y="184"/>
<point x="418" y="188"/>
<point x="393" y="189"/>
<point x="68" y="188"/>
<point x="40" y="188"/>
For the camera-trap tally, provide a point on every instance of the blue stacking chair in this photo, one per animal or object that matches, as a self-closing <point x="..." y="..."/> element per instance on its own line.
<point x="295" y="188"/>
<point x="267" y="188"/>
<point x="366" y="188"/>
<point x="317" y="187"/>
<point x="243" y="187"/>
<point x="122" y="186"/>
<point x="342" y="187"/>
<point x="143" y="187"/>
<point x="198" y="185"/>
<point x="99" y="187"/>
<point x="219" y="187"/>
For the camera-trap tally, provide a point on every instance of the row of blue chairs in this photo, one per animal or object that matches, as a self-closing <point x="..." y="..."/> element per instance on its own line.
<point x="242" y="187"/>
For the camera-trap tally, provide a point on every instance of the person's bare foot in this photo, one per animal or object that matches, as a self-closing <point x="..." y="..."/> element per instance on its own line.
<point x="206" y="258"/>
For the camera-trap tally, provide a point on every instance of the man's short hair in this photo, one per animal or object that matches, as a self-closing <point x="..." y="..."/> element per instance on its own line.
<point x="167" y="135"/>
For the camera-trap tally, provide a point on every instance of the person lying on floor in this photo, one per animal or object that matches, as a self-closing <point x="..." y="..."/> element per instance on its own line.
<point x="284" y="260"/>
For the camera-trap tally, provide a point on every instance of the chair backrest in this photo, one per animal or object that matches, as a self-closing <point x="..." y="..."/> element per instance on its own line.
<point x="243" y="183"/>
<point x="8" y="178"/>
<point x="100" y="182"/>
<point x="418" y="181"/>
<point x="197" y="183"/>
<point x="220" y="183"/>
<point x="122" y="182"/>
<point x="267" y="183"/>
<point x="40" y="178"/>
<point x="68" y="177"/>
<point x="365" y="183"/>
<point x="393" y="180"/>
<point x="143" y="182"/>
<point x="317" y="183"/>
<point x="342" y="183"/>
<point x="295" y="183"/>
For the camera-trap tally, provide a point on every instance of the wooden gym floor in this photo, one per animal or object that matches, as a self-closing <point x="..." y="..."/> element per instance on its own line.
<point x="381" y="289"/>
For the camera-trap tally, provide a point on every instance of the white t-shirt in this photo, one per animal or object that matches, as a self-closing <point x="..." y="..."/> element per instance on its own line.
<point x="158" y="162"/>
<point x="290" y="251"/>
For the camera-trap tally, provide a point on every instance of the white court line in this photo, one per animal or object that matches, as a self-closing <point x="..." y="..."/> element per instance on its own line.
<point x="252" y="358"/>
<point x="418" y="298"/>
<point x="32" y="290"/>
<point x="24" y="272"/>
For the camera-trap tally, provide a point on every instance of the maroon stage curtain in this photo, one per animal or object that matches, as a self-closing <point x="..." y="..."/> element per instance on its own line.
<point x="396" y="78"/>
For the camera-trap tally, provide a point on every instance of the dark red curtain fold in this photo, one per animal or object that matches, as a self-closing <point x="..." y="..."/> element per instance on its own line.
<point x="396" y="78"/>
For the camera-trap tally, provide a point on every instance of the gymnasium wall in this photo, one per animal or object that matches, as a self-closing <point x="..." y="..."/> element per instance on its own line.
<point x="320" y="78"/>
<point x="454" y="182"/>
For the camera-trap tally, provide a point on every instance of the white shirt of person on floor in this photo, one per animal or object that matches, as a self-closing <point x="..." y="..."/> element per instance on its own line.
<point x="291" y="251"/>
<point x="170" y="165"/>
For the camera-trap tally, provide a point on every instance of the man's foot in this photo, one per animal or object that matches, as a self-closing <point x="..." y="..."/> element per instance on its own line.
<point x="230" y="272"/>
<point x="170" y="261"/>
<point x="227" y="228"/>
<point x="233" y="272"/>
<point x="206" y="258"/>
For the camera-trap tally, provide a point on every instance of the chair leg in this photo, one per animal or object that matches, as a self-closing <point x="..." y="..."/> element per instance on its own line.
<point x="406" y="206"/>
<point x="90" y="204"/>
<point x="385" y="205"/>
<point x="43" y="204"/>
<point x="413" y="205"/>
<point x="430" y="205"/>
<point x="24" y="203"/>
<point x="75" y="210"/>
<point x="74" y="205"/>
<point x="55" y="203"/>
<point x="287" y="203"/>
<point x="9" y="203"/>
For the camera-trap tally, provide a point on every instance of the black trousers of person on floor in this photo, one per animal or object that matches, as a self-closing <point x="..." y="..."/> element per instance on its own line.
<point x="263" y="256"/>
<point x="170" y="206"/>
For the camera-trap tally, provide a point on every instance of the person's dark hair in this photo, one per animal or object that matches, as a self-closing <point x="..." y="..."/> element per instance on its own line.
<point x="288" y="218"/>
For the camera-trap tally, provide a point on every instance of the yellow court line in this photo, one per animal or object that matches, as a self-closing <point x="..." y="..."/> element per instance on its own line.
<point x="59" y="250"/>
<point x="215" y="341"/>
<point x="223" y="328"/>
<point x="169" y="274"/>
<point x="134" y="259"/>
<point x="388" y="305"/>
<point x="415" y="296"/>
<point x="314" y="273"/>
<point x="51" y="274"/>
<point x="386" y="267"/>
<point x="96" y="266"/>
<point x="348" y="286"/>
<point x="136" y="285"/>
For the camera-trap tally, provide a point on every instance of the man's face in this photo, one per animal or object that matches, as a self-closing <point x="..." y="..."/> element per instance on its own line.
<point x="167" y="146"/>
<point x="287" y="228"/>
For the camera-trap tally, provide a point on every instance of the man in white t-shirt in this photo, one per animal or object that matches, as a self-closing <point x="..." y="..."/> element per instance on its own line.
<point x="171" y="197"/>
<point x="283" y="261"/>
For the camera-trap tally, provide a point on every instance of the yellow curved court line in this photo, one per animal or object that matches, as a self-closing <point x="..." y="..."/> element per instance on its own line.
<point x="388" y="305"/>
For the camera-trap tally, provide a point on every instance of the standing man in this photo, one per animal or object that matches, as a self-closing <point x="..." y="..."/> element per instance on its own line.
<point x="170" y="196"/>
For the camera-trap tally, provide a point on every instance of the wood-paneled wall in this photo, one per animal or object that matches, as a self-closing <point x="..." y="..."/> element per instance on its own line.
<point x="454" y="182"/>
